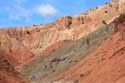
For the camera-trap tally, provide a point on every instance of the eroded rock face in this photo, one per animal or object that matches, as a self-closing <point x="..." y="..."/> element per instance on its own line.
<point x="15" y="49"/>
<point x="38" y="38"/>
<point x="19" y="46"/>
<point x="8" y="73"/>
<point x="5" y="63"/>
<point x="105" y="65"/>
<point x="34" y="39"/>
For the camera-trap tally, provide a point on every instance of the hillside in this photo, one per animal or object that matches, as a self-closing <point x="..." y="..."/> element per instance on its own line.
<point x="85" y="48"/>
<point x="65" y="56"/>
<point x="105" y="65"/>
<point x="35" y="39"/>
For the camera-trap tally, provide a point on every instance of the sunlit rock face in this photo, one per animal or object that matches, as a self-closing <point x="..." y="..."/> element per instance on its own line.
<point x="120" y="4"/>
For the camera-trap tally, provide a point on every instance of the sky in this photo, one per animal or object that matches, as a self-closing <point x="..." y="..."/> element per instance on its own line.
<point x="34" y="12"/>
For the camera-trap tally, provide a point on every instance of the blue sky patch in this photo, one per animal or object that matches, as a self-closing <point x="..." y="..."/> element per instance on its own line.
<point x="29" y="12"/>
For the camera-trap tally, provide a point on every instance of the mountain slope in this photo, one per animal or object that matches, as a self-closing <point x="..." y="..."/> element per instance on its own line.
<point x="106" y="64"/>
<point x="38" y="38"/>
<point x="65" y="56"/>
<point x="84" y="48"/>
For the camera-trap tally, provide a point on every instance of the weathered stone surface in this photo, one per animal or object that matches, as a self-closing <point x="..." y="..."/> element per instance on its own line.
<point x="7" y="72"/>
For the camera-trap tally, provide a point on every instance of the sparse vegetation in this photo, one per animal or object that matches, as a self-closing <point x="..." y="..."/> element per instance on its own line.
<point x="110" y="5"/>
<point x="27" y="32"/>
<point x="41" y="24"/>
<point x="117" y="8"/>
<point x="81" y="75"/>
<point x="106" y="11"/>
<point x="96" y="8"/>
<point x="76" y="81"/>
<point x="106" y="3"/>
<point x="104" y="22"/>
<point x="34" y="25"/>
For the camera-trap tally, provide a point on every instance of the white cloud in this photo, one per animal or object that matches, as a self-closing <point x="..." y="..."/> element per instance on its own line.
<point x="18" y="12"/>
<point x="46" y="10"/>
